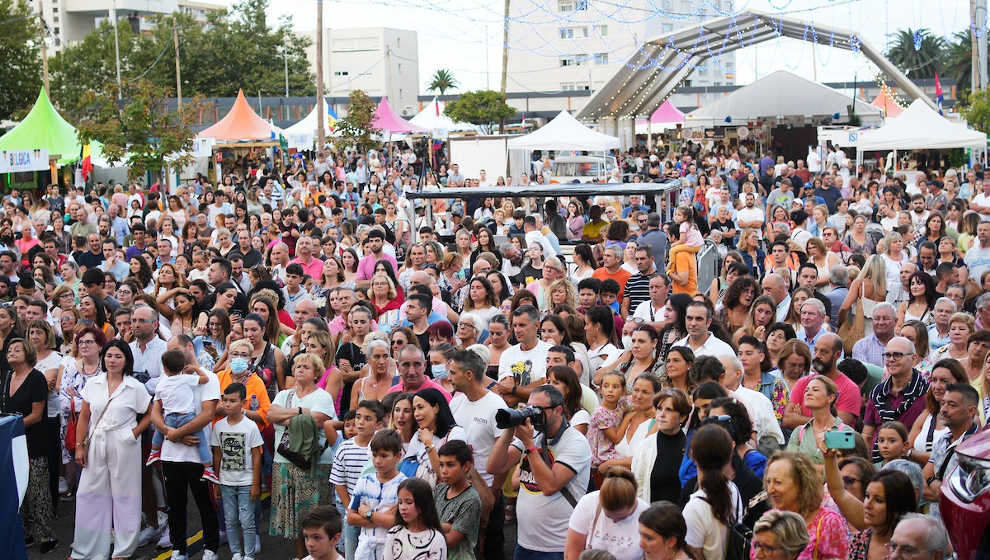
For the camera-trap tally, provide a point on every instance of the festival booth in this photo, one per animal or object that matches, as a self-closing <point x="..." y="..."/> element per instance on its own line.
<point x="302" y="135"/>
<point x="781" y="110"/>
<point x="887" y="104"/>
<point x="666" y="116"/>
<point x="392" y="126"/>
<point x="564" y="135"/>
<point x="432" y="118"/>
<point x="239" y="132"/>
<point x="31" y="152"/>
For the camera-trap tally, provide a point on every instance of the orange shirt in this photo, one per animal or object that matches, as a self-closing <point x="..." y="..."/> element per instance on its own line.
<point x="254" y="386"/>
<point x="620" y="276"/>
<point x="685" y="262"/>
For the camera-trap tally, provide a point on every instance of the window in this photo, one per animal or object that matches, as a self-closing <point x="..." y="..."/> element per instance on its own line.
<point x="341" y="73"/>
<point x="400" y="68"/>
<point x="566" y="32"/>
<point x="565" y="5"/>
<point x="573" y="32"/>
<point x="574" y="86"/>
<point x="581" y="5"/>
<point x="668" y="5"/>
<point x="602" y="30"/>
<point x="398" y="42"/>
<point x="601" y="58"/>
<point x="572" y="59"/>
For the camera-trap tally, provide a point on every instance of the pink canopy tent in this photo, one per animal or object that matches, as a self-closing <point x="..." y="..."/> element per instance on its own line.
<point x="667" y="113"/>
<point x="386" y="119"/>
<point x="887" y="105"/>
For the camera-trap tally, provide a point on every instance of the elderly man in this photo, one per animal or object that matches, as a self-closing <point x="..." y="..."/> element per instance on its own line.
<point x="612" y="268"/>
<point x="700" y="340"/>
<point x="522" y="367"/>
<point x="983" y="311"/>
<point x="769" y="436"/>
<point x="871" y="348"/>
<point x="775" y="286"/>
<point x="900" y="397"/>
<point x="978" y="256"/>
<point x="656" y="240"/>
<point x="812" y="320"/>
<point x="312" y="266"/>
<point x="959" y="412"/>
<point x="305" y="309"/>
<point x="919" y="536"/>
<point x="412" y="372"/>
<point x="938" y="331"/>
<point x="512" y="260"/>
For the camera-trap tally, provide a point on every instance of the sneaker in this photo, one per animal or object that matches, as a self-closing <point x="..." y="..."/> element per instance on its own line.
<point x="149" y="535"/>
<point x="236" y="556"/>
<point x="153" y="457"/>
<point x="165" y="541"/>
<point x="210" y="475"/>
<point x="177" y="556"/>
<point x="209" y="555"/>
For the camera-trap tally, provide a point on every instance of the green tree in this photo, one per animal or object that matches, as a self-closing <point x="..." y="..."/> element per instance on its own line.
<point x="441" y="81"/>
<point x="919" y="58"/>
<point x="977" y="110"/>
<point x="483" y="108"/>
<point x="20" y="73"/>
<point x="142" y="130"/>
<point x="355" y="129"/>
<point x="958" y="63"/>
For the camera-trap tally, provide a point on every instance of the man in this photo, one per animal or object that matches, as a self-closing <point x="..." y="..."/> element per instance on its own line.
<point x="919" y="536"/>
<point x="294" y="290"/>
<point x="90" y="253"/>
<point x="978" y="256"/>
<point x="220" y="271"/>
<point x="454" y="177"/>
<point x="118" y="224"/>
<point x="839" y="279"/>
<point x="305" y="309"/>
<point x="512" y="260"/>
<point x="776" y="287"/>
<point x="960" y="414"/>
<point x="553" y="474"/>
<point x="139" y="235"/>
<point x="808" y="278"/>
<point x="164" y="253"/>
<point x="900" y="397"/>
<point x="111" y="261"/>
<point x="812" y="319"/>
<point x="825" y="361"/>
<point x="780" y="261"/>
<point x="769" y="437"/>
<point x="92" y="281"/>
<point x="871" y="348"/>
<point x="147" y="347"/>
<point x="535" y="235"/>
<point x="312" y="266"/>
<point x="800" y="235"/>
<point x="375" y="253"/>
<point x="938" y="331"/>
<point x="751" y="216"/>
<point x="412" y="372"/>
<point x="474" y="409"/>
<point x="522" y="366"/>
<point x="612" y="268"/>
<point x="652" y="310"/>
<point x="237" y="274"/>
<point x="655" y="240"/>
<point x="926" y="258"/>
<point x="829" y="194"/>
<point x="919" y="213"/>
<point x="638" y="286"/>
<point x="251" y="256"/>
<point x="635" y="203"/>
<point x="280" y="259"/>
<point x="700" y="340"/>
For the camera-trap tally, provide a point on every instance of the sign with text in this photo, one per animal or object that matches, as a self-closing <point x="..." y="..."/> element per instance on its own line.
<point x="15" y="161"/>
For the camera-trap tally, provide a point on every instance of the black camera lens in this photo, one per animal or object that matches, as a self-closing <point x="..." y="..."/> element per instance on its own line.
<point x="509" y="418"/>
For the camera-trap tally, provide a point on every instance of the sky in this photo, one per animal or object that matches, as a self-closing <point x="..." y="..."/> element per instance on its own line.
<point x="452" y="33"/>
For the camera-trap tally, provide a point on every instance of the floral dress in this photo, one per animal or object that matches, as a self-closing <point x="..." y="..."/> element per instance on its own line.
<point x="70" y="395"/>
<point x="774" y="388"/>
<point x="602" y="448"/>
<point x="859" y="549"/>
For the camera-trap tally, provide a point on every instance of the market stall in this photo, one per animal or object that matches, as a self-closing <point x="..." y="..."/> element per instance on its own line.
<point x="302" y="135"/>
<point x="31" y="152"/>
<point x="238" y="133"/>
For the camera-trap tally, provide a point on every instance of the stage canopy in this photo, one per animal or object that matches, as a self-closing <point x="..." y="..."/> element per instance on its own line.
<point x="564" y="132"/>
<point x="241" y="123"/>
<point x="666" y="114"/>
<point x="44" y="129"/>
<point x="920" y="128"/>
<point x="386" y="120"/>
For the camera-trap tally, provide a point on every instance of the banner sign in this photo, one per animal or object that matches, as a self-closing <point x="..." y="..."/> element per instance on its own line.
<point x="15" y="161"/>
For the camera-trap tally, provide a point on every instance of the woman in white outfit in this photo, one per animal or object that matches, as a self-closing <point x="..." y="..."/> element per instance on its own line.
<point x="108" y="502"/>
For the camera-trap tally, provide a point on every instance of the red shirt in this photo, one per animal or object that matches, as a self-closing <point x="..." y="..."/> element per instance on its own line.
<point x="427" y="384"/>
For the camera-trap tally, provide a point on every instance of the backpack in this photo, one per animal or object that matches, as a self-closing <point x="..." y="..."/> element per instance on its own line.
<point x="738" y="539"/>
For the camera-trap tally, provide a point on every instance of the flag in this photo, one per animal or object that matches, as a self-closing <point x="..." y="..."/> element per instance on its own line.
<point x="437" y="105"/>
<point x="14" y="473"/>
<point x="938" y="94"/>
<point x="87" y="162"/>
<point x="331" y="118"/>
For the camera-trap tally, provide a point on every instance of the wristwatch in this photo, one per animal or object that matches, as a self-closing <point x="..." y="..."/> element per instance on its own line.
<point x="368" y="514"/>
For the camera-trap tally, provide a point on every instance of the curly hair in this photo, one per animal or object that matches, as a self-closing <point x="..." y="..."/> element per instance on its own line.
<point x="811" y="488"/>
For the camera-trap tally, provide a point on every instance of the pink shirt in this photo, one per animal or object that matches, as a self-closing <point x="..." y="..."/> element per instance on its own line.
<point x="366" y="268"/>
<point x="314" y="269"/>
<point x="427" y="384"/>
<point x="849" y="398"/>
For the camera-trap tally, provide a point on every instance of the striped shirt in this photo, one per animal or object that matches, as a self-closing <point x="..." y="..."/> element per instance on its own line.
<point x="348" y="464"/>
<point x="638" y="289"/>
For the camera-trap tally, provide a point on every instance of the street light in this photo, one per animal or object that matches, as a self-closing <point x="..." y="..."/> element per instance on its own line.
<point x="285" y="57"/>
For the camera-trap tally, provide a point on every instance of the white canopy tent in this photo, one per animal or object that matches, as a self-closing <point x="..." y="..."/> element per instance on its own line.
<point x="432" y="118"/>
<point x="302" y="135"/>
<point x="919" y="127"/>
<point x="565" y="133"/>
<point x="781" y="94"/>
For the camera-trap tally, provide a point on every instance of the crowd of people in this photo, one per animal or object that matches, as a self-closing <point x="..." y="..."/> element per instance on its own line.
<point x="406" y="384"/>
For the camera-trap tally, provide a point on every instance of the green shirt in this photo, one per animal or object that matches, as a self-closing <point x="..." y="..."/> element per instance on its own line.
<point x="463" y="512"/>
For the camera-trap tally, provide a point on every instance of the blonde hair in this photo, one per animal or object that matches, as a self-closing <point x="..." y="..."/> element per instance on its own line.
<point x="315" y="361"/>
<point x="571" y="295"/>
<point x="618" y="491"/>
<point x="789" y="528"/>
<point x="392" y="292"/>
<point x="241" y="342"/>
<point x="965" y="318"/>
<point x="875" y="271"/>
<point x="811" y="486"/>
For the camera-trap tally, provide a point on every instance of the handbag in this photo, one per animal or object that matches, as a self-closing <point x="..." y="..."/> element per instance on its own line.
<point x="284" y="448"/>
<point x="854" y="330"/>
<point x="70" y="427"/>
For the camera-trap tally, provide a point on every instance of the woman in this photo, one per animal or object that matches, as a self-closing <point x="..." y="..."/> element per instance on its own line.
<point x="500" y="286"/>
<point x="351" y="357"/>
<point x="553" y="270"/>
<point x="741" y="432"/>
<point x="584" y="261"/>
<point x="400" y="417"/>
<point x="657" y="458"/>
<point x="762" y="314"/>
<point x="451" y="277"/>
<point x="562" y="292"/>
<point x="661" y="533"/>
<point x="462" y="245"/>
<point x="276" y="318"/>
<point x="857" y="238"/>
<point x="636" y="421"/>
<point x="920" y="305"/>
<point x="566" y="381"/>
<point x="376" y="384"/>
<point x="680" y="360"/>
<point x="599" y="331"/>
<point x="140" y="273"/>
<point x="486" y="244"/>
<point x="383" y="294"/>
<point x="92" y="312"/>
<point x="258" y="403"/>
<point x="947" y="251"/>
<point x="25" y="392"/>
<point x="436" y="427"/>
<point x="917" y="333"/>
<point x="929" y="427"/>
<point x="794" y="484"/>
<point x="674" y="326"/>
<point x="823" y="260"/>
<point x="889" y="496"/>
<point x="737" y="302"/>
<point x="331" y="277"/>
<point x="330" y="380"/>
<point x="41" y="335"/>
<point x="168" y="279"/>
<point x="554" y="331"/>
<point x="798" y="297"/>
<point x="607" y="519"/>
<point x="934" y="229"/>
<point x="753" y="256"/>
<point x="869" y="288"/>
<point x="226" y="299"/>
<point x="182" y="318"/>
<point x="168" y="232"/>
<point x="893" y="258"/>
<point x="575" y="220"/>
<point x="350" y="260"/>
<point x="717" y="504"/>
<point x="756" y="374"/>
<point x="266" y="360"/>
<point x="481" y="299"/>
<point x="820" y="395"/>
<point x="212" y="343"/>
<point x="779" y="531"/>
<point x="728" y="275"/>
<point x="961" y="327"/>
<point x="497" y="342"/>
<point x="109" y="453"/>
<point x="295" y="490"/>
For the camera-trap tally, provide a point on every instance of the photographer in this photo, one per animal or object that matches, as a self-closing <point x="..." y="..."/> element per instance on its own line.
<point x="553" y="475"/>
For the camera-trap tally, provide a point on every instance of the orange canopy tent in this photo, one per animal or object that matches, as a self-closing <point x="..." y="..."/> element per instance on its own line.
<point x="887" y="105"/>
<point x="239" y="124"/>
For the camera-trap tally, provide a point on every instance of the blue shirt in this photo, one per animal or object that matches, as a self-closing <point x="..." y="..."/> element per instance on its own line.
<point x="869" y="350"/>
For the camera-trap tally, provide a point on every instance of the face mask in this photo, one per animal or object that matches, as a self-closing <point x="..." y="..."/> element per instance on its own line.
<point x="238" y="365"/>
<point x="439" y="371"/>
<point x="627" y="342"/>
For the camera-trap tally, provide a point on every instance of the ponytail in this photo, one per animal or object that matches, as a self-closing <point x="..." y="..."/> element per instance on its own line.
<point x="711" y="449"/>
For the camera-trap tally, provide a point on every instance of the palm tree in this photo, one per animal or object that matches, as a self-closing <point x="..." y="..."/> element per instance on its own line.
<point x="441" y="81"/>
<point x="919" y="54"/>
<point x="959" y="61"/>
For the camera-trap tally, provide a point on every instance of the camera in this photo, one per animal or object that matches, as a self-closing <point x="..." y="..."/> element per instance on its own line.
<point x="509" y="418"/>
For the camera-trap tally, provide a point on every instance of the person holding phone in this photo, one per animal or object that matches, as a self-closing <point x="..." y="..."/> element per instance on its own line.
<point x="819" y="396"/>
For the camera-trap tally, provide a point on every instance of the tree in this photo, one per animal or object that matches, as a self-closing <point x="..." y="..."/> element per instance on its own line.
<point x="441" y="81"/>
<point x="919" y="54"/>
<point x="355" y="129"/>
<point x="20" y="73"/>
<point x="142" y="130"/>
<point x="977" y="110"/>
<point x="483" y="107"/>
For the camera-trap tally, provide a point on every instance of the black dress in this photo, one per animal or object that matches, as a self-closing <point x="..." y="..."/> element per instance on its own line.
<point x="33" y="389"/>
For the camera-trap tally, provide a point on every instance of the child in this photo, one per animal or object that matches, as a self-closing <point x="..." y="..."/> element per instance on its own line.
<point x="689" y="238"/>
<point x="350" y="459"/>
<point x="372" y="506"/>
<point x="416" y="534"/>
<point x="458" y="503"/>
<point x="321" y="530"/>
<point x="350" y="427"/>
<point x="588" y="290"/>
<point x="610" y="294"/>
<point x="175" y="390"/>
<point x="293" y="291"/>
<point x="603" y="429"/>
<point x="237" y="447"/>
<point x="891" y="442"/>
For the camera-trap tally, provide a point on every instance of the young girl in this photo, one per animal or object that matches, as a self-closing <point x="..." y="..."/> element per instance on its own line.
<point x="417" y="532"/>
<point x="690" y="239"/>
<point x="604" y="425"/>
<point x="891" y="442"/>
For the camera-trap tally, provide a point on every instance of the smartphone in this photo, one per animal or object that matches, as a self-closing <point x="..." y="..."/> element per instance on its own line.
<point x="840" y="440"/>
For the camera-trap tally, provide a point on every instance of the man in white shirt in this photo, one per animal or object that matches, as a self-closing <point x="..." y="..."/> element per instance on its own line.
<point x="652" y="310"/>
<point x="775" y="286"/>
<point x="978" y="256"/>
<point x="700" y="340"/>
<point x="522" y="367"/>
<point x="981" y="202"/>
<point x="768" y="433"/>
<point x="147" y="348"/>
<point x="751" y="216"/>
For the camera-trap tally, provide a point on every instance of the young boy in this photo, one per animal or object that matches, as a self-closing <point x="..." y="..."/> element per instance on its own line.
<point x="321" y="529"/>
<point x="375" y="496"/>
<point x="588" y="290"/>
<point x="176" y="391"/>
<point x="350" y="459"/>
<point x="294" y="293"/>
<point x="350" y="427"/>
<point x="610" y="294"/>
<point x="237" y="446"/>
<point x="458" y="503"/>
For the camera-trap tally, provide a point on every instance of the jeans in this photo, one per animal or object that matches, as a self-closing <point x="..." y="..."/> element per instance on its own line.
<point x="351" y="536"/>
<point x="527" y="554"/>
<point x="180" y="478"/>
<point x="177" y="420"/>
<point x="238" y="512"/>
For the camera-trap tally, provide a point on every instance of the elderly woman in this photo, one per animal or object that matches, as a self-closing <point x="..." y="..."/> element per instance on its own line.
<point x="553" y="270"/>
<point x="657" y="458"/>
<point x="376" y="384"/>
<point x="295" y="490"/>
<point x="617" y="501"/>
<point x="793" y="358"/>
<point x="662" y="530"/>
<point x="779" y="535"/>
<point x="961" y="327"/>
<point x="793" y="484"/>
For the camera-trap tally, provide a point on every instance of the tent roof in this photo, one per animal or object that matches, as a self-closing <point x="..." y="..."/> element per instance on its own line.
<point x="240" y="123"/>
<point x="564" y="132"/>
<point x="302" y="134"/>
<point x="386" y="119"/>
<point x="919" y="127"/>
<point x="432" y="117"/>
<point x="779" y="94"/>
<point x="44" y="129"/>
<point x="887" y="105"/>
<point x="667" y="113"/>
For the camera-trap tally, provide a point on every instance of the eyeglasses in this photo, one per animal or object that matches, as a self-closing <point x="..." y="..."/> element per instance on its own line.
<point x="894" y="355"/>
<point x="901" y="549"/>
<point x="758" y="546"/>
<point x="86" y="342"/>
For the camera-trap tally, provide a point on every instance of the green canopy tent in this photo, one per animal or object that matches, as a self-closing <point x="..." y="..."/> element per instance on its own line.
<point x="44" y="129"/>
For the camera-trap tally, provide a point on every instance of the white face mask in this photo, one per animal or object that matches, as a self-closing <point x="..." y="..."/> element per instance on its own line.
<point x="627" y="342"/>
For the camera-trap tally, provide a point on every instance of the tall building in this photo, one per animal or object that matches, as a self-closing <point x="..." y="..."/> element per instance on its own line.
<point x="566" y="45"/>
<point x="381" y="61"/>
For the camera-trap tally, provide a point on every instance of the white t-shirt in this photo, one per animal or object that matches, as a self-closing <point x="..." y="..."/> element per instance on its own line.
<point x="176" y="393"/>
<point x="982" y="199"/>
<point x="620" y="538"/>
<point x="703" y="530"/>
<point x="317" y="401"/>
<point x="418" y="450"/>
<point x="150" y="360"/>
<point x="760" y="412"/>
<point x="526" y="366"/>
<point x="753" y="214"/>
<point x="177" y="452"/>
<point x="478" y="420"/>
<point x="236" y="443"/>
<point x="647" y="312"/>
<point x="714" y="346"/>
<point x="978" y="260"/>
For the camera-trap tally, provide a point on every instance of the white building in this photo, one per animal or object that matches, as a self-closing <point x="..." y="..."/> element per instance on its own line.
<point x="381" y="61"/>
<point x="566" y="45"/>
